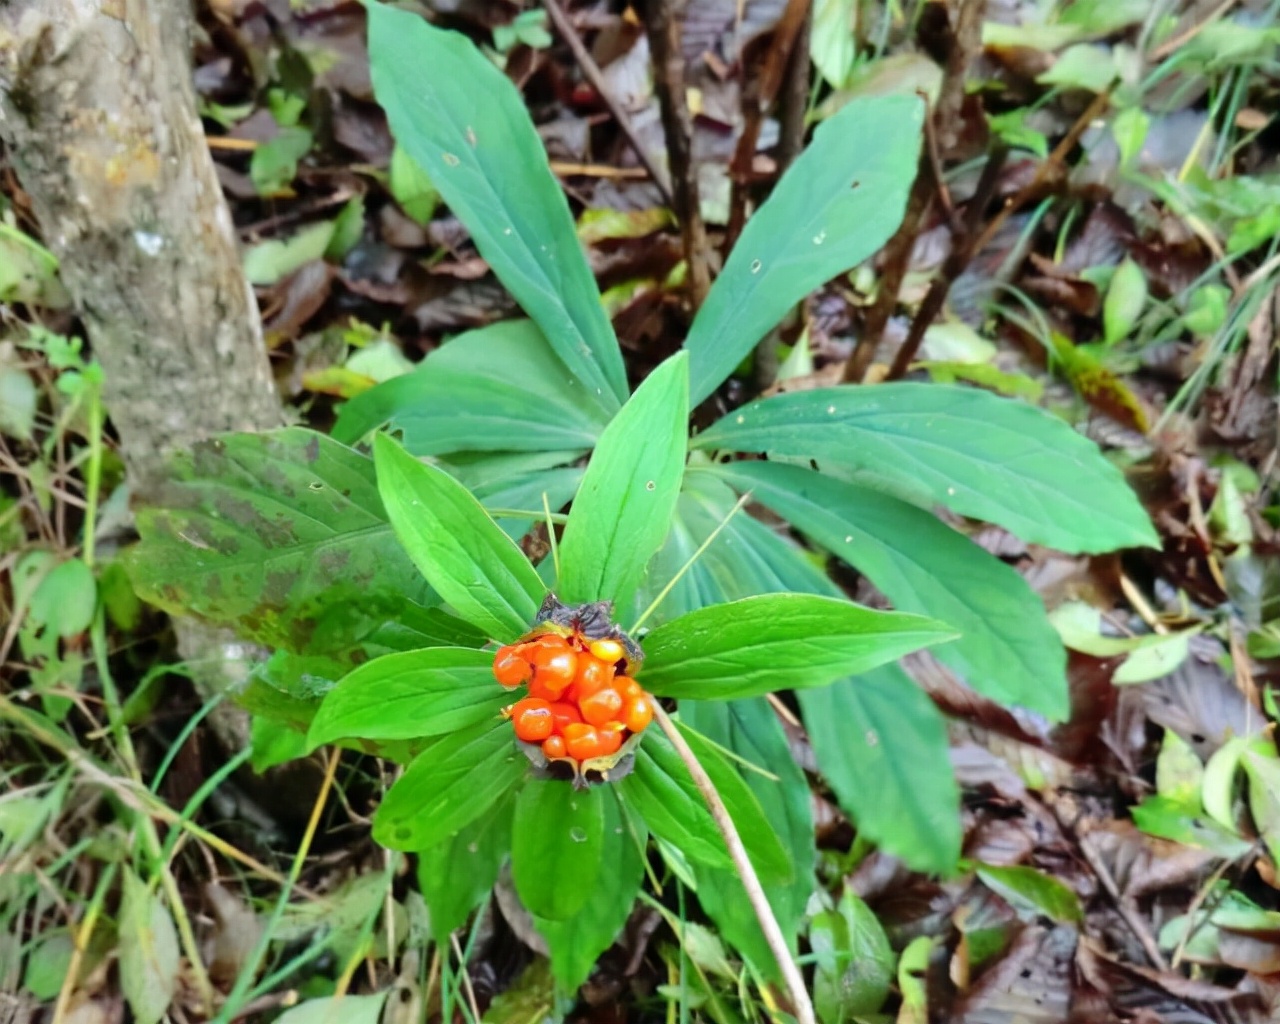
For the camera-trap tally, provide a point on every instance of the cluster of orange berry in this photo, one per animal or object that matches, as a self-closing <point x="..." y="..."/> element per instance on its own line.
<point x="578" y="706"/>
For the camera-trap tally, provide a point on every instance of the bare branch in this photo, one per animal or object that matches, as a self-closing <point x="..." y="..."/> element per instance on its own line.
<point x="663" y="27"/>
<point x="596" y="77"/>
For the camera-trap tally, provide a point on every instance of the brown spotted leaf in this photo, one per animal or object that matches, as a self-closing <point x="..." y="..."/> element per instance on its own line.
<point x="280" y="535"/>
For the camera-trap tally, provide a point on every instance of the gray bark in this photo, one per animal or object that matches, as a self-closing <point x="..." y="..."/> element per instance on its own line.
<point x="99" y="116"/>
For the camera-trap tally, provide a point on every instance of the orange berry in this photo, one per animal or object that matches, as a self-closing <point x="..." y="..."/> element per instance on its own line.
<point x="638" y="713"/>
<point x="532" y="718"/>
<point x="582" y="741"/>
<point x="554" y="667"/>
<point x="509" y="668"/>
<point x="610" y="739"/>
<point x="564" y="714"/>
<point x="601" y="707"/>
<point x="609" y="651"/>
<point x="553" y="747"/>
<point x="593" y="675"/>
<point x="628" y="687"/>
<point x="537" y="688"/>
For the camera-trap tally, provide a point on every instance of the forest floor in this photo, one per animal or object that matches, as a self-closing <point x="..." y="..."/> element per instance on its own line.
<point x="1119" y="264"/>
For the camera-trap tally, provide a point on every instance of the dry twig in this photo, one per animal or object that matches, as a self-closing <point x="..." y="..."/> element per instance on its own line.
<point x="962" y="249"/>
<point x="663" y="24"/>
<point x="794" y="101"/>
<point x="758" y="95"/>
<point x="945" y="117"/>
<point x="738" y="853"/>
<point x="896" y="258"/>
<point x="594" y="75"/>
<point x="1047" y="167"/>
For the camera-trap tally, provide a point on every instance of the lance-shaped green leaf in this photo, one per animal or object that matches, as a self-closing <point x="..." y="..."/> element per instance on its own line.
<point x="465" y="123"/>
<point x="975" y="453"/>
<point x="670" y="804"/>
<point x="456" y="875"/>
<point x="750" y="730"/>
<point x="836" y="205"/>
<point x="462" y="553"/>
<point x="556" y="846"/>
<point x="623" y="509"/>
<point x="777" y="642"/>
<point x="854" y="961"/>
<point x="664" y="793"/>
<point x="448" y="786"/>
<point x="1007" y="648"/>
<point x="1028" y="889"/>
<point x="497" y="388"/>
<point x="889" y="733"/>
<point x="413" y="694"/>
<point x="575" y="944"/>
<point x="882" y="746"/>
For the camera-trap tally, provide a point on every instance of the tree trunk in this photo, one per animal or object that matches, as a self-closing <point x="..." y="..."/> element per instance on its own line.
<point x="99" y="116"/>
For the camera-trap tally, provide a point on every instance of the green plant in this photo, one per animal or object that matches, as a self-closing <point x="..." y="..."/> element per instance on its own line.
<point x="577" y="847"/>
<point x="519" y="401"/>
<point x="292" y="536"/>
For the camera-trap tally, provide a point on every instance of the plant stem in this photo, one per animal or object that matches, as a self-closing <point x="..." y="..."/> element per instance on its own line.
<point x="1047" y="170"/>
<point x="145" y="826"/>
<point x="897" y="256"/>
<point x="758" y="93"/>
<point x="963" y="248"/>
<point x="750" y="881"/>
<point x="80" y="941"/>
<point x="133" y="794"/>
<point x="551" y="537"/>
<point x="943" y="125"/>
<point x="662" y="594"/>
<point x="664" y="22"/>
<point x="793" y="100"/>
<point x="94" y="472"/>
